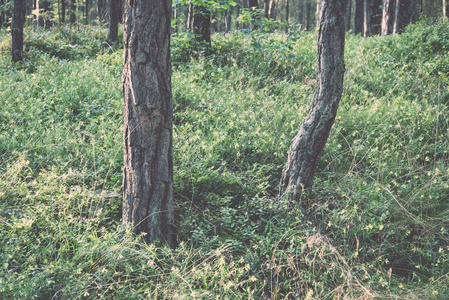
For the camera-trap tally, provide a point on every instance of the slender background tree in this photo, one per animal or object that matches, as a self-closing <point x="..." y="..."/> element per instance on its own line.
<point x="18" y="19"/>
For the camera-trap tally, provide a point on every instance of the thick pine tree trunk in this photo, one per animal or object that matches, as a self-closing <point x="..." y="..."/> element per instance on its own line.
<point x="308" y="144"/>
<point x="18" y="19"/>
<point x="148" y="121"/>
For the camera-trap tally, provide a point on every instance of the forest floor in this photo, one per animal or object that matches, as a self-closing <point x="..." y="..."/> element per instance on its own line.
<point x="378" y="222"/>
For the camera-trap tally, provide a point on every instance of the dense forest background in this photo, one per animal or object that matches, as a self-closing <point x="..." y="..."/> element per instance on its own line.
<point x="376" y="227"/>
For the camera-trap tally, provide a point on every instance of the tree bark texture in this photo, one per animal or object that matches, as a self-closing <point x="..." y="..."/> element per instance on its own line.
<point x="113" y="21"/>
<point x="18" y="19"/>
<point x="148" y="121"/>
<point x="308" y="144"/>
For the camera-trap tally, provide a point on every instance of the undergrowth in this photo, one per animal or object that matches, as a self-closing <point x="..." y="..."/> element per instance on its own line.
<point x="378" y="221"/>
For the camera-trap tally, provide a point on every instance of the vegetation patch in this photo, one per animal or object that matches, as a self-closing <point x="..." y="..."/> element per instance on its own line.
<point x="378" y="220"/>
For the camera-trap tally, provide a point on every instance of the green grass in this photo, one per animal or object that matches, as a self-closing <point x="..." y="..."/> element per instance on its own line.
<point x="381" y="190"/>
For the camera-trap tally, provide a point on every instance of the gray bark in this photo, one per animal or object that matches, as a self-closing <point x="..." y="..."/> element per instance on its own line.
<point x="308" y="144"/>
<point x="18" y="19"/>
<point x="148" y="121"/>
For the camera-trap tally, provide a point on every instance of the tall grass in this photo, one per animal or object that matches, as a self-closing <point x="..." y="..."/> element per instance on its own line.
<point x="378" y="223"/>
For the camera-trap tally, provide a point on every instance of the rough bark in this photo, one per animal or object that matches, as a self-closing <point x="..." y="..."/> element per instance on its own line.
<point x="18" y="19"/>
<point x="358" y="16"/>
<point x="308" y="144"/>
<point x="148" y="121"/>
<point x="113" y="21"/>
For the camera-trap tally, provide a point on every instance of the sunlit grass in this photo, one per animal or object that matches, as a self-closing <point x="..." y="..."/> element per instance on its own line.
<point x="378" y="224"/>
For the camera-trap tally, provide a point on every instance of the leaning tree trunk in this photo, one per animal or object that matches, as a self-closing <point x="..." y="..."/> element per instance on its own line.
<point x="148" y="121"/>
<point x="18" y="19"/>
<point x="308" y="144"/>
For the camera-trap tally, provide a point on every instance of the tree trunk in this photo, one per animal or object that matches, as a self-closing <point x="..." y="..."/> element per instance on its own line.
<point x="358" y="16"/>
<point x="266" y="6"/>
<point x="189" y="19"/>
<point x="388" y="10"/>
<point x="308" y="144"/>
<point x="72" y="12"/>
<point x="403" y="15"/>
<point x="62" y="9"/>
<point x="272" y="9"/>
<point x="445" y="9"/>
<point x="308" y="10"/>
<point x="372" y="20"/>
<point x="348" y="16"/>
<point x="44" y="19"/>
<point x="317" y="15"/>
<point x="102" y="10"/>
<point x="2" y="15"/>
<point x="148" y="121"/>
<point x="201" y="28"/>
<point x="227" y="21"/>
<point x="113" y="21"/>
<point x="301" y="14"/>
<point x="86" y="12"/>
<point x="18" y="19"/>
